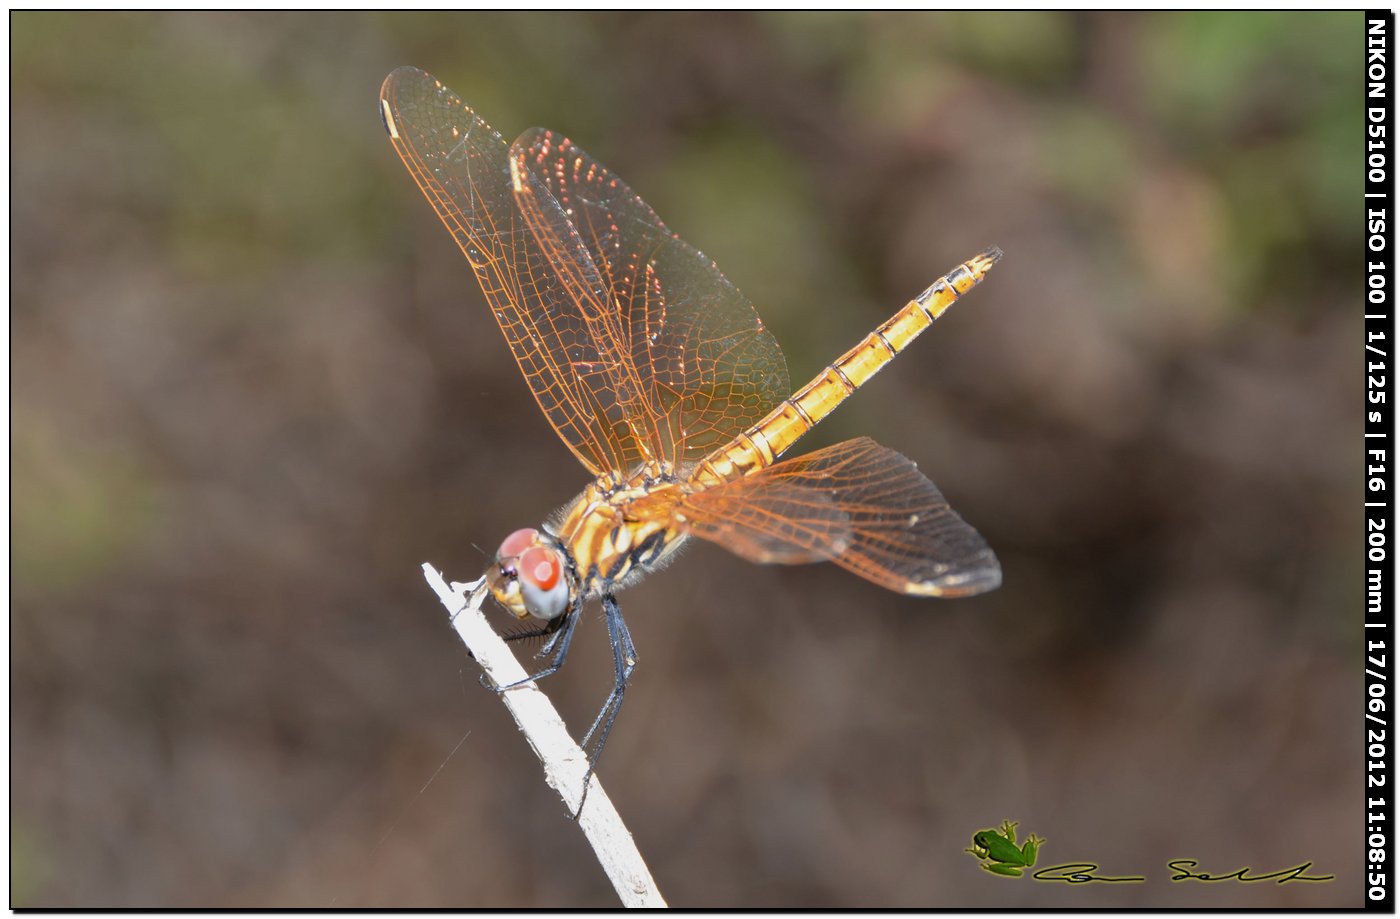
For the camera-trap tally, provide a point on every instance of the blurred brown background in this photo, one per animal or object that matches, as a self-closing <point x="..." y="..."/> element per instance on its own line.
<point x="255" y="386"/>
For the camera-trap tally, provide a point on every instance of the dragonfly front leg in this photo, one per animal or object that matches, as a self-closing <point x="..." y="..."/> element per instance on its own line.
<point x="561" y="631"/>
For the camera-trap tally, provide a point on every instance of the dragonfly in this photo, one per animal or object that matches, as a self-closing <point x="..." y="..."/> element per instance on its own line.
<point x="660" y="377"/>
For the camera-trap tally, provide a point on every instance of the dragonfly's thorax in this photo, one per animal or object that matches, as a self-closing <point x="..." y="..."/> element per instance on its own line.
<point x="616" y="533"/>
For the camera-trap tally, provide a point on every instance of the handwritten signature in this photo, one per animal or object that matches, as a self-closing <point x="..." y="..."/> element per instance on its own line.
<point x="1079" y="873"/>
<point x="1183" y="865"/>
<point x="1084" y="873"/>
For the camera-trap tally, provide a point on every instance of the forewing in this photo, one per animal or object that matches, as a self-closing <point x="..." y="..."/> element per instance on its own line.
<point x="859" y="504"/>
<point x="704" y="366"/>
<point x="463" y="168"/>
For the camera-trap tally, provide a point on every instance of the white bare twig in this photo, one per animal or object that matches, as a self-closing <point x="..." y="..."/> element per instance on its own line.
<point x="564" y="762"/>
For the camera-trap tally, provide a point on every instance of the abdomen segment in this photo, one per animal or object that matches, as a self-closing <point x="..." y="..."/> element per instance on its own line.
<point x="763" y="443"/>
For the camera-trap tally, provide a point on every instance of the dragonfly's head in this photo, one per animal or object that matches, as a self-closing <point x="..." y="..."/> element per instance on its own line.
<point x="530" y="576"/>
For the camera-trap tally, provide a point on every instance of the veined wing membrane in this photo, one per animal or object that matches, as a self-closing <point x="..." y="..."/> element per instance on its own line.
<point x="616" y="374"/>
<point x="703" y="363"/>
<point x="861" y="505"/>
<point x="765" y="519"/>
<point x="462" y="166"/>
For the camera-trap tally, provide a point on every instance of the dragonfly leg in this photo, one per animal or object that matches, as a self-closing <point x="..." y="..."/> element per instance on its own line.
<point x="551" y="630"/>
<point x="624" y="661"/>
<point x="563" y="635"/>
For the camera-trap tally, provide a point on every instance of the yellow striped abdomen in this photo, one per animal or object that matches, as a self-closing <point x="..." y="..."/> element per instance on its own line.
<point x="763" y="443"/>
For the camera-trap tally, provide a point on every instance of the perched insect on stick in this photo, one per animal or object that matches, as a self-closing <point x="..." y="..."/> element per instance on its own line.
<point x="660" y="377"/>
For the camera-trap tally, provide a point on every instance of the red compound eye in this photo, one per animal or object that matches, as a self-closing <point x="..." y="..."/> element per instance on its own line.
<point x="540" y="566"/>
<point x="516" y="543"/>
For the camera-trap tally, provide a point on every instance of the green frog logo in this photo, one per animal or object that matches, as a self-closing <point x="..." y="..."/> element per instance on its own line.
<point x="998" y="851"/>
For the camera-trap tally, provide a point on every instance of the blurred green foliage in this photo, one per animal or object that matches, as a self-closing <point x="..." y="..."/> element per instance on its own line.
<point x="78" y="512"/>
<point x="1268" y="109"/>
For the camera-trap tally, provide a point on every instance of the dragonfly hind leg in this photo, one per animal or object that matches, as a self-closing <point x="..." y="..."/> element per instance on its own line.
<point x="624" y="662"/>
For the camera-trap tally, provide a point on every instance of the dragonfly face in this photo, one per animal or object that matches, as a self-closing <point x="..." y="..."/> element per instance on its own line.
<point x="532" y="576"/>
<point x="660" y="378"/>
